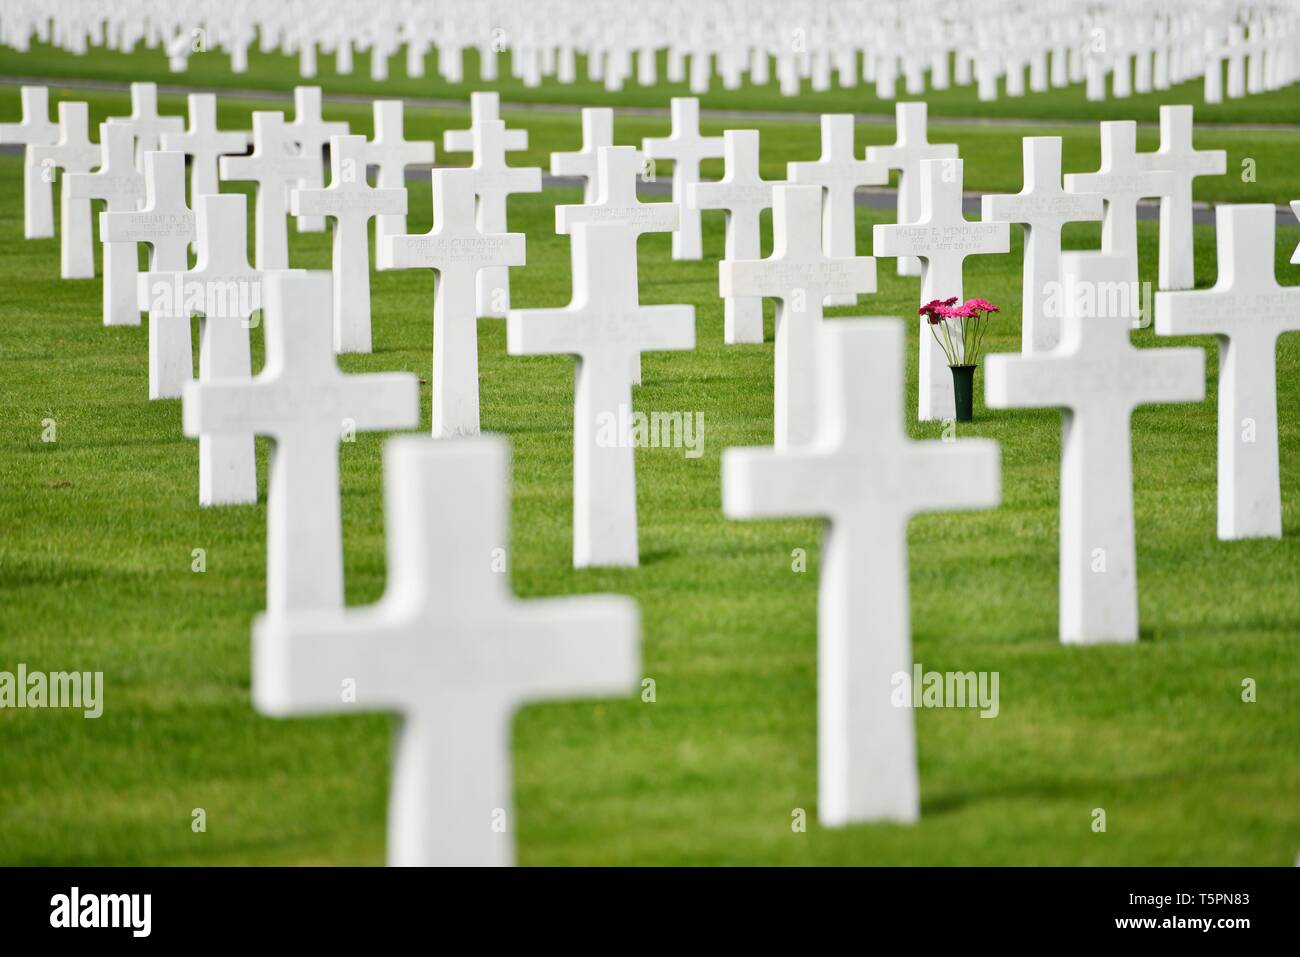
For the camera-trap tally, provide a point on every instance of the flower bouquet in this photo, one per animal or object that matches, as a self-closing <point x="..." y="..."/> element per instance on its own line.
<point x="959" y="330"/>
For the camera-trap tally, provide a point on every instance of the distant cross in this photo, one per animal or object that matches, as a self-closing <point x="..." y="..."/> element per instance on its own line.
<point x="351" y="202"/>
<point x="1122" y="183"/>
<point x="743" y="194"/>
<point x="597" y="133"/>
<point x="35" y="129"/>
<point x="606" y="328"/>
<point x="942" y="238"/>
<point x="456" y="247"/>
<point x="391" y="152"/>
<point x="1248" y="310"/>
<point x="910" y="149"/>
<point x="1043" y="208"/>
<point x="1097" y="378"/>
<point x="74" y="154"/>
<point x="839" y="175"/>
<point x="165" y="224"/>
<point x="866" y="478"/>
<point x="310" y="132"/>
<point x="617" y="170"/>
<point x="276" y="167"/>
<point x="493" y="182"/>
<point x="686" y="148"/>
<point x="224" y="291"/>
<point x="203" y="143"/>
<point x="1178" y="156"/>
<point x="121" y="187"/>
<point x="146" y="123"/>
<point x="483" y="108"/>
<point x="451" y="649"/>
<point x="801" y="277"/>
<point x="308" y="407"/>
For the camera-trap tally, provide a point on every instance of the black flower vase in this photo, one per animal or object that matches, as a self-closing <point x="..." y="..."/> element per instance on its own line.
<point x="963" y="390"/>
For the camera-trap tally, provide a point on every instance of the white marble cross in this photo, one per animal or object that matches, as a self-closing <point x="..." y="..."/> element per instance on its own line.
<point x="942" y="238"/>
<point x="1043" y="208"/>
<point x="1247" y="309"/>
<point x="203" y="143"/>
<point x="484" y="107"/>
<point x="866" y="478"/>
<point x="910" y="148"/>
<point x="308" y="407"/>
<point x="801" y="276"/>
<point x="74" y="154"/>
<point x="616" y="203"/>
<point x="391" y="152"/>
<point x="743" y="194"/>
<point x="351" y="202"/>
<point x="121" y="187"/>
<point x="224" y="291"/>
<point x="35" y="129"/>
<point x="686" y="148"/>
<point x="1178" y="156"/>
<point x="606" y="328"/>
<point x="451" y="649"/>
<point x="459" y="250"/>
<point x="1122" y="183"/>
<point x="276" y="167"/>
<point x="839" y="175"/>
<point x="1097" y="378"/>
<point x="166" y="225"/>
<point x="597" y="133"/>
<point x="146" y="123"/>
<point x="310" y="133"/>
<point x="493" y="182"/>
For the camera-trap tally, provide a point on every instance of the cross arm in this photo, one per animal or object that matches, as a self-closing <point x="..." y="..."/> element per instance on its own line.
<point x="540" y="332"/>
<point x="948" y="476"/>
<point x="1026" y="382"/>
<point x="378" y="401"/>
<point x="668" y="328"/>
<point x="763" y="483"/>
<point x="1173" y="375"/>
<point x="225" y="407"/>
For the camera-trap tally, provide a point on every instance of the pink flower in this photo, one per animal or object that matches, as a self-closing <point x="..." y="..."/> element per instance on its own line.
<point x="980" y="305"/>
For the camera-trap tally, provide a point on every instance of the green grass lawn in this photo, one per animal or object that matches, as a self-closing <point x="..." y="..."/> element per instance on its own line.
<point x="97" y="529"/>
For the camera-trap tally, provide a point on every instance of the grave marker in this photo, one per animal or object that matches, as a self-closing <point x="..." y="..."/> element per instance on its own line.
<point x="35" y="129"/>
<point x="686" y="148"/>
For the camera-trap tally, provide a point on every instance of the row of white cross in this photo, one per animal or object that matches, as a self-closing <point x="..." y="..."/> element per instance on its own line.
<point x="1002" y="49"/>
<point x="448" y="646"/>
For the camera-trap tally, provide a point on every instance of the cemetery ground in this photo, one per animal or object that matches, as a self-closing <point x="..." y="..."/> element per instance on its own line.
<point x="98" y="528"/>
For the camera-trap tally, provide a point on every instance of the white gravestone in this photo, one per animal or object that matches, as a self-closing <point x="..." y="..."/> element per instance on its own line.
<point x="1043" y="208"/>
<point x="225" y="292"/>
<point x="35" y="129"/>
<point x="391" y="153"/>
<point x="597" y="133"/>
<point x="839" y="175"/>
<point x="449" y="648"/>
<point x="166" y="225"/>
<point x="1178" y="156"/>
<point x="276" y="167"/>
<point x="204" y="144"/>
<point x="351" y="202"/>
<point x="743" y="194"/>
<point x="308" y="407"/>
<point x="121" y="187"/>
<point x="606" y="328"/>
<point x="800" y="276"/>
<point x="942" y="238"/>
<point x="495" y="181"/>
<point x="1096" y="378"/>
<point x="74" y="154"/>
<point x="1122" y="183"/>
<point x="1247" y="309"/>
<point x="147" y="124"/>
<point x="458" y="250"/>
<point x="866" y="478"/>
<point x="617" y="170"/>
<point x="310" y="133"/>
<point x="910" y="148"/>
<point x="686" y="148"/>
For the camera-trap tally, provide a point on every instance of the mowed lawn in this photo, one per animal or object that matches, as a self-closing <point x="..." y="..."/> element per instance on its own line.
<point x="97" y="531"/>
